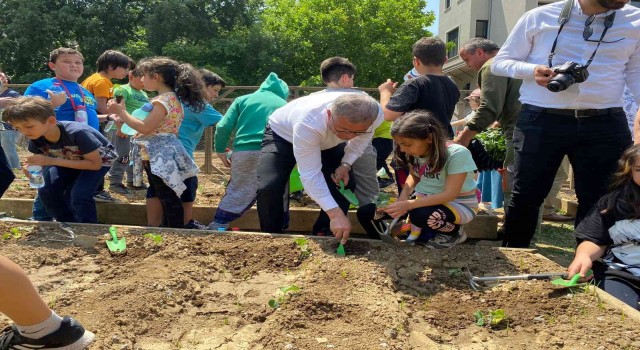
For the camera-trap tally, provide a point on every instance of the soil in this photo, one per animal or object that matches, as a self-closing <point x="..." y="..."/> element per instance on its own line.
<point x="195" y="291"/>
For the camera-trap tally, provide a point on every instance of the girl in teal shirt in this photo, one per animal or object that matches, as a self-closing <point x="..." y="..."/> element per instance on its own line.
<point x="442" y="178"/>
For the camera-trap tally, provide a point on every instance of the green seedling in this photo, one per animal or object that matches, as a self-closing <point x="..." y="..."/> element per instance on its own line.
<point x="492" y="318"/>
<point x="283" y="293"/>
<point x="455" y="272"/>
<point x="15" y="232"/>
<point x="155" y="238"/>
<point x="343" y="273"/>
<point x="303" y="245"/>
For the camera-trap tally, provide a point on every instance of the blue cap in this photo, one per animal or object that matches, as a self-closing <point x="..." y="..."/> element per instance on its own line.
<point x="147" y="107"/>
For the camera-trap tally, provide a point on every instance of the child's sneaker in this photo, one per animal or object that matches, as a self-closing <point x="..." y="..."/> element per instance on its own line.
<point x="144" y="186"/>
<point x="195" y="225"/>
<point x="119" y="188"/>
<point x="70" y="336"/>
<point x="104" y="197"/>
<point x="214" y="226"/>
<point x="444" y="241"/>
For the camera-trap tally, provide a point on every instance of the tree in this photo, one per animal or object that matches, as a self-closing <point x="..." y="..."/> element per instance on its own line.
<point x="376" y="35"/>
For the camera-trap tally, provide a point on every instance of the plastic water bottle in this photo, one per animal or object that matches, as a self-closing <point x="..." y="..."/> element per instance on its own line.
<point x="109" y="125"/>
<point x="140" y="114"/>
<point x="36" y="179"/>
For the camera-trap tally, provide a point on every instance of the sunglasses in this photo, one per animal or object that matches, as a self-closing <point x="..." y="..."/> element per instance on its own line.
<point x="588" y="30"/>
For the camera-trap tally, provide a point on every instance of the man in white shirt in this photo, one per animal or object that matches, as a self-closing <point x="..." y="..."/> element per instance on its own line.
<point x="568" y="112"/>
<point x="311" y="131"/>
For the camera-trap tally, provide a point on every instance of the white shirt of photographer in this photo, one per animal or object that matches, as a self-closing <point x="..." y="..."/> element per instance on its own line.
<point x="530" y="42"/>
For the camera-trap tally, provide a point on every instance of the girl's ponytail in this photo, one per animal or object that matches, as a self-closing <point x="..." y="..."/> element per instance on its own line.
<point x="189" y="87"/>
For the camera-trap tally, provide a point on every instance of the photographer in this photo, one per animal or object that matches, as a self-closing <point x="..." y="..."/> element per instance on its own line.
<point x="573" y="57"/>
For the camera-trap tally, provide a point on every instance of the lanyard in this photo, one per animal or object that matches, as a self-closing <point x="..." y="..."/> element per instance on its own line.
<point x="564" y="18"/>
<point x="73" y="104"/>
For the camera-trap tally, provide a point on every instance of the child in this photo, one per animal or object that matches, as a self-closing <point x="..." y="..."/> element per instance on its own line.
<point x="8" y="136"/>
<point x="76" y="156"/>
<point x="611" y="231"/>
<point x="111" y="65"/>
<point x="441" y="173"/>
<point x="134" y="98"/>
<point x="36" y="325"/>
<point x="432" y="90"/>
<point x="156" y="146"/>
<point x="67" y="97"/>
<point x="248" y="115"/>
<point x="189" y="135"/>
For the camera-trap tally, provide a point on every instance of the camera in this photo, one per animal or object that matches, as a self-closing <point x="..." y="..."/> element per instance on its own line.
<point x="566" y="75"/>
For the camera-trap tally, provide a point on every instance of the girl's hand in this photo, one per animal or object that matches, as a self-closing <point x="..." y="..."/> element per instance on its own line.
<point x="115" y="107"/>
<point x="39" y="159"/>
<point x="398" y="208"/>
<point x="580" y="264"/>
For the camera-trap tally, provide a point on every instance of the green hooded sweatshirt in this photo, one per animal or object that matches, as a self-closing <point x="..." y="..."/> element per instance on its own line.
<point x="248" y="115"/>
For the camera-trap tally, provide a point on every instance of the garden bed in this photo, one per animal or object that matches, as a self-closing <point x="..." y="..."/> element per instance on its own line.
<point x="196" y="291"/>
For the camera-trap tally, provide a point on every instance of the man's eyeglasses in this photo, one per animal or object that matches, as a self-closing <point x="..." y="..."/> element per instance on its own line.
<point x="588" y="30"/>
<point x="350" y="132"/>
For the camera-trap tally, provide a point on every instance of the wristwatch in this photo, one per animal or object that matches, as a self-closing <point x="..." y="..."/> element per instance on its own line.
<point x="346" y="165"/>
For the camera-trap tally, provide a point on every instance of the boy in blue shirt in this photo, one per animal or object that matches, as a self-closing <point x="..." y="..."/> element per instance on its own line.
<point x="75" y="155"/>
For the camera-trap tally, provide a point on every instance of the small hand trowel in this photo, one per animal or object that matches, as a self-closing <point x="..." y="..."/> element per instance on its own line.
<point x="570" y="283"/>
<point x="340" y="251"/>
<point x="116" y="246"/>
<point x="348" y="194"/>
<point x="81" y="240"/>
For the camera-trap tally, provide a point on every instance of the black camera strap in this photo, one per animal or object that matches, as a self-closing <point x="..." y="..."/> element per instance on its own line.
<point x="564" y="18"/>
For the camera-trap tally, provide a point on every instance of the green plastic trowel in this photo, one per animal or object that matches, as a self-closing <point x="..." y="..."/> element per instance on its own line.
<point x="569" y="283"/>
<point x="348" y="194"/>
<point x="116" y="246"/>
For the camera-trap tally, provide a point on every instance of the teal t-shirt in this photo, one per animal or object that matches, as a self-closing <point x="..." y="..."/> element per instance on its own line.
<point x="133" y="98"/>
<point x="459" y="161"/>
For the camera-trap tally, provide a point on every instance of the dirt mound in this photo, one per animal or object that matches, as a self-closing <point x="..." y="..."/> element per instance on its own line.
<point x="189" y="291"/>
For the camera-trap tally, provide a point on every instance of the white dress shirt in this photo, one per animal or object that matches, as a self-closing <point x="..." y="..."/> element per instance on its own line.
<point x="304" y="122"/>
<point x="529" y="45"/>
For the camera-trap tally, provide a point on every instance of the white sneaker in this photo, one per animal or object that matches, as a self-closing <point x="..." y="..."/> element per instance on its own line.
<point x="444" y="241"/>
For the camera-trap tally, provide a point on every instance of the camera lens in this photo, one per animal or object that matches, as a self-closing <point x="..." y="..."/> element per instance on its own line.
<point x="560" y="82"/>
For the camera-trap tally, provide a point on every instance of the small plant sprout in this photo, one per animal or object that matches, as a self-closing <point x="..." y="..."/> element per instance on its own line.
<point x="492" y="318"/>
<point x="343" y="274"/>
<point x="157" y="239"/>
<point x="303" y="245"/>
<point x="282" y="294"/>
<point x="455" y="272"/>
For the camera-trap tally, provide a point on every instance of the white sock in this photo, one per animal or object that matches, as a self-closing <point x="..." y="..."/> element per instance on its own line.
<point x="41" y="329"/>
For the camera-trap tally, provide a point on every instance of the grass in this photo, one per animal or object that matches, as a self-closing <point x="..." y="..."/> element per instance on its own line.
<point x="556" y="242"/>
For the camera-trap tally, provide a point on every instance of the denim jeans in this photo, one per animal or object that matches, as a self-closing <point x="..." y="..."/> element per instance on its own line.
<point x="541" y="140"/>
<point x="275" y="164"/>
<point x="9" y="139"/>
<point x="68" y="193"/>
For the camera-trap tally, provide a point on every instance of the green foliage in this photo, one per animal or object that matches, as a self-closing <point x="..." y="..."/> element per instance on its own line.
<point x="494" y="142"/>
<point x="242" y="40"/>
<point x="14" y="232"/>
<point x="283" y="293"/>
<point x="303" y="245"/>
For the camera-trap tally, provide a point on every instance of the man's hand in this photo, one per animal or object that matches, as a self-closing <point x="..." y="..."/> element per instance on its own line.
<point x="398" y="208"/>
<point x="39" y="159"/>
<point x="465" y="137"/>
<point x="226" y="161"/>
<point x="340" y="224"/>
<point x="57" y="99"/>
<point x="341" y="173"/>
<point x="543" y="74"/>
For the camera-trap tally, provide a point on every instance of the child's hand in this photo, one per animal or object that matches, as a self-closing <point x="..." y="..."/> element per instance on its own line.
<point x="398" y="208"/>
<point x="114" y="107"/>
<point x="581" y="264"/>
<point x="226" y="161"/>
<point x="389" y="86"/>
<point x="39" y="159"/>
<point x="25" y="172"/>
<point x="57" y="99"/>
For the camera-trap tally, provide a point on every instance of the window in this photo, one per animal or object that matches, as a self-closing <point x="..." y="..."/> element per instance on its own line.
<point x="452" y="43"/>
<point x="447" y="4"/>
<point x="482" y="29"/>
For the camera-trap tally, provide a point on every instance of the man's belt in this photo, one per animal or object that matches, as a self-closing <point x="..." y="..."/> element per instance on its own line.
<point x="573" y="112"/>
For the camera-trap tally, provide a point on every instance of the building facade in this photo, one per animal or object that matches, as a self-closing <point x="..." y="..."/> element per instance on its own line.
<point x="461" y="20"/>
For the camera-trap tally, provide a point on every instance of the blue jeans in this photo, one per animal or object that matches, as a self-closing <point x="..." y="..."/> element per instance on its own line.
<point x="38" y="212"/>
<point x="68" y="193"/>
<point x="541" y="140"/>
<point x="8" y="140"/>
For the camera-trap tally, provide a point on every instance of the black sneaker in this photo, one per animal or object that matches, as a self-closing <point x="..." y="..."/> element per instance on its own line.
<point x="194" y="225"/>
<point x="104" y="197"/>
<point x="70" y="336"/>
